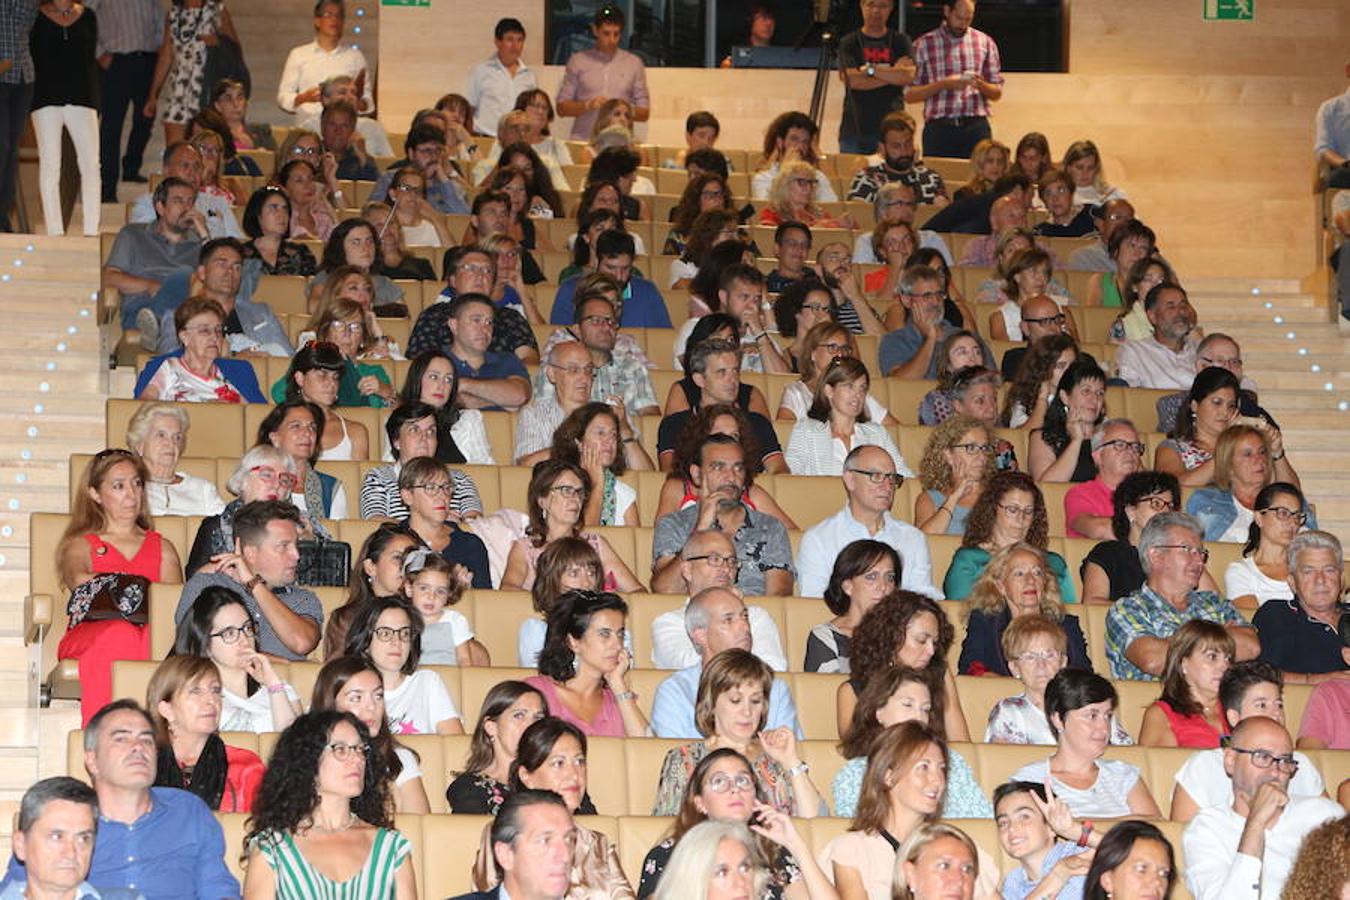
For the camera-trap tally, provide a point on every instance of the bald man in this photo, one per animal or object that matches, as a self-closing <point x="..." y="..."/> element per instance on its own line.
<point x="1040" y="317"/>
<point x="1008" y="211"/>
<point x="570" y="370"/>
<point x="709" y="560"/>
<point x="1245" y="851"/>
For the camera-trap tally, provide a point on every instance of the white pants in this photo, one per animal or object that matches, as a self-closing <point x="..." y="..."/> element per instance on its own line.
<point x="82" y="123"/>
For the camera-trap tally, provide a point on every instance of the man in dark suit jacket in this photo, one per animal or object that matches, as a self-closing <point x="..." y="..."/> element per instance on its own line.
<point x="532" y="841"/>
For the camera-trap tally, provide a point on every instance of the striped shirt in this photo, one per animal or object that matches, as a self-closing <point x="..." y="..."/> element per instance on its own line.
<point x="939" y="55"/>
<point x="298" y="880"/>
<point x="128" y="26"/>
<point x="380" y="498"/>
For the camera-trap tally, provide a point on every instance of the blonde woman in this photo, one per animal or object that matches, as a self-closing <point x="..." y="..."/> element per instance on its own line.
<point x="1084" y="165"/>
<point x="956" y="464"/>
<point x="792" y="198"/>
<point x="1016" y="582"/>
<point x="988" y="163"/>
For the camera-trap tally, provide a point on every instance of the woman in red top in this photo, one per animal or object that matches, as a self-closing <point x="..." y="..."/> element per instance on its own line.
<point x="1188" y="713"/>
<point x="110" y="531"/>
<point x="184" y="700"/>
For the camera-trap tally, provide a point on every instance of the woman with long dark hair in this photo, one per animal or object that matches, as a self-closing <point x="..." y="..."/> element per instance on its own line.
<point x="325" y="798"/>
<point x="349" y="684"/>
<point x="461" y="436"/>
<point x="293" y="427"/>
<point x="267" y="222"/>
<point x="1133" y="861"/>
<point x="482" y="786"/>
<point x="1061" y="449"/>
<point x="377" y="571"/>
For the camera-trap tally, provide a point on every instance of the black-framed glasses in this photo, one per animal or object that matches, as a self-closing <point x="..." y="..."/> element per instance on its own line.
<point x="973" y="449"/>
<point x="716" y="560"/>
<point x="895" y="478"/>
<point x="386" y="635"/>
<point x="439" y="489"/>
<point x="1045" y="320"/>
<point x="1284" y="515"/>
<point x="1201" y="552"/>
<point x="1121" y="444"/>
<point x="1264" y="759"/>
<point x="231" y="634"/>
<point x="343" y="752"/>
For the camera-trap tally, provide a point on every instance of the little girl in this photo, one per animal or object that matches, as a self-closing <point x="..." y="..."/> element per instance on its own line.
<point x="433" y="585"/>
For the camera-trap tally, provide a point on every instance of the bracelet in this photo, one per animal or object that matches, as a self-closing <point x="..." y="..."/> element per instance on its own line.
<point x="1087" y="830"/>
<point x="625" y="695"/>
<point x="801" y="768"/>
<point x="278" y="688"/>
<point x="252" y="583"/>
<point x="630" y="440"/>
<point x="1277" y="458"/>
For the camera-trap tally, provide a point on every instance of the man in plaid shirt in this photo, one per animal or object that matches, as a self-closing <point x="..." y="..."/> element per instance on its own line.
<point x="959" y="73"/>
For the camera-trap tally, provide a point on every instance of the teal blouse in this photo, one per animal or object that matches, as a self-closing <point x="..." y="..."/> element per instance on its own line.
<point x="969" y="562"/>
<point x="348" y="393"/>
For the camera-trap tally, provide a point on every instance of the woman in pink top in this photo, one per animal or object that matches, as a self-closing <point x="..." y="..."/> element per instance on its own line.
<point x="583" y="668"/>
<point x="1188" y="713"/>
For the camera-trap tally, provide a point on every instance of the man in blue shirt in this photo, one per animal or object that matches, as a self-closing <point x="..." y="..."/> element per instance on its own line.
<point x="716" y="620"/>
<point x="642" y="304"/>
<point x="162" y="842"/>
<point x="911" y="352"/>
<point x="487" y="380"/>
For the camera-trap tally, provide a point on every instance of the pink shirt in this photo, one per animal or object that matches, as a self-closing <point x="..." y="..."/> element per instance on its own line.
<point x="609" y="723"/>
<point x="1327" y="715"/>
<point x="1091" y="498"/>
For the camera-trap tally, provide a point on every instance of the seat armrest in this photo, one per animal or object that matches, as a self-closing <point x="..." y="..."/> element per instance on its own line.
<point x="37" y="617"/>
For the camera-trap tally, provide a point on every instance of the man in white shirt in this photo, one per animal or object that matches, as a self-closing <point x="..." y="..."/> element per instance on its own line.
<point x="343" y="87"/>
<point x="496" y="82"/>
<point x="310" y="65"/>
<point x="870" y="481"/>
<point x="182" y="160"/>
<point x="709" y="560"/>
<point x="569" y="369"/>
<point x="1165" y="359"/>
<point x="1249" y="688"/>
<point x="1245" y="851"/>
<point x="716" y="621"/>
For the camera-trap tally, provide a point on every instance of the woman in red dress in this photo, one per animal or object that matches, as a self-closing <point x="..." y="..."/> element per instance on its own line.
<point x="110" y="531"/>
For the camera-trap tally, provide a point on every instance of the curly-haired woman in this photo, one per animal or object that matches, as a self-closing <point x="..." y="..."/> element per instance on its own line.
<point x="956" y="465"/>
<point x="325" y="802"/>
<point x="1011" y="509"/>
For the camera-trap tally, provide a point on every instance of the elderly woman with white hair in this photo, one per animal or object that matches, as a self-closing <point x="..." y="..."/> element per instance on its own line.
<point x="157" y="434"/>
<point x="263" y="473"/>
<point x="722" y="860"/>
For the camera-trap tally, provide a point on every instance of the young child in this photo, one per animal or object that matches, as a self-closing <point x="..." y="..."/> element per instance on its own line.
<point x="1250" y="688"/>
<point x="432" y="586"/>
<point x="1036" y="649"/>
<point x="1050" y="869"/>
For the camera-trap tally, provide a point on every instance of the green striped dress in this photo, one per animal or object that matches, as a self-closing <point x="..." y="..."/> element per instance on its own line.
<point x="298" y="880"/>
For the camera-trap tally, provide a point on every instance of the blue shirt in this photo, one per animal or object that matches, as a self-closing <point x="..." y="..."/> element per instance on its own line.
<point x="495" y="365"/>
<point x="642" y="305"/>
<point x="673" y="707"/>
<point x="175" y="851"/>
<point x="1017" y="884"/>
<point x="1333" y="126"/>
<point x="14" y="890"/>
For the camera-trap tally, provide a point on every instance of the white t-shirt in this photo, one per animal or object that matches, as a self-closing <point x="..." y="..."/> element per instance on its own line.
<point x="1106" y="799"/>
<point x="416" y="705"/>
<point x="681" y="268"/>
<point x="440" y="638"/>
<point x="1245" y="577"/>
<point x="410" y="769"/>
<point x="1203" y="777"/>
<point x="797" y="400"/>
<point x="252" y="713"/>
<point x="624" y="497"/>
<point x="423" y="234"/>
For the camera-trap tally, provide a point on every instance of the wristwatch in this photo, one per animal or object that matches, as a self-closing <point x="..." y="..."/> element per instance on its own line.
<point x="252" y="583"/>
<point x="871" y="70"/>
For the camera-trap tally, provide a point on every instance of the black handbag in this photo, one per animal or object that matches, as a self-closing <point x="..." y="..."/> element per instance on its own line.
<point x="224" y="60"/>
<point x="324" y="564"/>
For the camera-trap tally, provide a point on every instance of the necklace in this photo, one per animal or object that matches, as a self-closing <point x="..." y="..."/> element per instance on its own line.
<point x="345" y="826"/>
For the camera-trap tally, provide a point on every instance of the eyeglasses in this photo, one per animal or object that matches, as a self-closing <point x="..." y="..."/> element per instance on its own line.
<point x="475" y="268"/>
<point x="1264" y="759"/>
<point x="1284" y="515"/>
<point x="926" y="295"/>
<point x="1045" y="320"/>
<point x="344" y="752"/>
<point x="386" y="635"/>
<point x="724" y="784"/>
<point x="1233" y="362"/>
<point x="1119" y="444"/>
<point x="231" y="634"/>
<point x="348" y="327"/>
<point x="712" y="195"/>
<point x="819" y="308"/>
<point x="574" y="370"/>
<point x="304" y="151"/>
<point x="974" y="449"/>
<point x="1156" y="503"/>
<point x="895" y="478"/>
<point x="271" y="476"/>
<point x="716" y="560"/>
<point x="599" y="321"/>
<point x="581" y="570"/>
<point x="1187" y="548"/>
<point x="438" y="489"/>
<point x="1031" y="657"/>
<point x="568" y="491"/>
<point x="835" y="348"/>
<point x="1018" y="512"/>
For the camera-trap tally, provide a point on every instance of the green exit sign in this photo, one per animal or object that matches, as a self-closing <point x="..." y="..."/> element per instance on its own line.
<point x="415" y="2"/>
<point x="1227" y="10"/>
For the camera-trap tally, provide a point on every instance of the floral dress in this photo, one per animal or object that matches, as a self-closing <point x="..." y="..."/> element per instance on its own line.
<point x="187" y="27"/>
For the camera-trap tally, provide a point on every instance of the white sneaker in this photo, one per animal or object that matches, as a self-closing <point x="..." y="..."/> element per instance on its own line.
<point x="148" y="324"/>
